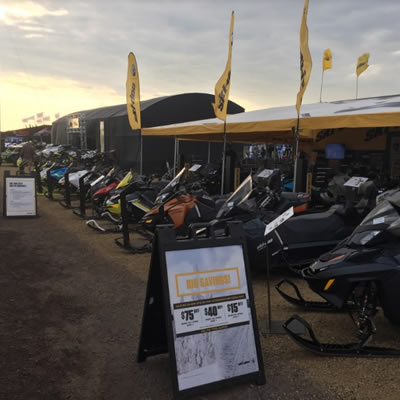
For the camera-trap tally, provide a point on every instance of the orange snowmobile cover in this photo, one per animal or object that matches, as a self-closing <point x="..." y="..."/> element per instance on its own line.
<point x="177" y="209"/>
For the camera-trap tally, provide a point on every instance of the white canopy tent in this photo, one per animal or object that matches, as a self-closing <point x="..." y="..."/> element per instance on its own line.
<point x="277" y="125"/>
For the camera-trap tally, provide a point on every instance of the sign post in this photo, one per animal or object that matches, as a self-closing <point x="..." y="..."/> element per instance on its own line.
<point x="276" y="327"/>
<point x="199" y="308"/>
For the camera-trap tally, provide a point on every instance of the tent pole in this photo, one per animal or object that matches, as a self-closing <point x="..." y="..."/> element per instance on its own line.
<point x="175" y="157"/>
<point x="296" y="155"/>
<point x="209" y="153"/>
<point x="223" y="161"/>
<point x="357" y="88"/>
<point x="141" y="155"/>
<point x="322" y="83"/>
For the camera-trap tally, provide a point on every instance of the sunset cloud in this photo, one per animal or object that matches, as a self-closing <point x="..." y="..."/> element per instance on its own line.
<point x="77" y="50"/>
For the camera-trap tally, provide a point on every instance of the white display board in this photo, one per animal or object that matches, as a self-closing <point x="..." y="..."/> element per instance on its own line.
<point x="213" y="332"/>
<point x="20" y="197"/>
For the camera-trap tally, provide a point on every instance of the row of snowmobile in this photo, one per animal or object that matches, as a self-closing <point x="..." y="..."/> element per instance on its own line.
<point x="348" y="252"/>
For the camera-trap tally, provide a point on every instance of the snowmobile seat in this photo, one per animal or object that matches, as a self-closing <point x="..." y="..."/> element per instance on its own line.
<point x="322" y="226"/>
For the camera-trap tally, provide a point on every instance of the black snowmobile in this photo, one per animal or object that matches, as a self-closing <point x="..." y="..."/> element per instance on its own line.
<point x="359" y="276"/>
<point x="304" y="237"/>
<point x="301" y="239"/>
<point x="255" y="204"/>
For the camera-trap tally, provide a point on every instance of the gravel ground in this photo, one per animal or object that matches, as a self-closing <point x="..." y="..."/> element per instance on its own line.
<point x="71" y="306"/>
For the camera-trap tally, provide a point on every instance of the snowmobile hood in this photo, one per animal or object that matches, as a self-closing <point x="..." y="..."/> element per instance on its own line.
<point x="327" y="261"/>
<point x="385" y="217"/>
<point x="105" y="190"/>
<point x="125" y="181"/>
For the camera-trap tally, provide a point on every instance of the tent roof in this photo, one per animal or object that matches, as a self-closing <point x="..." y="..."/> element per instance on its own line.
<point x="114" y="111"/>
<point x="162" y="110"/>
<point x="274" y="124"/>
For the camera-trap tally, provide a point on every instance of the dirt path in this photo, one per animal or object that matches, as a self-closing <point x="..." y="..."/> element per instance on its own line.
<point x="71" y="305"/>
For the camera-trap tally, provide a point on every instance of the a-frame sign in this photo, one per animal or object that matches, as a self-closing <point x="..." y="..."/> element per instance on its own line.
<point x="199" y="308"/>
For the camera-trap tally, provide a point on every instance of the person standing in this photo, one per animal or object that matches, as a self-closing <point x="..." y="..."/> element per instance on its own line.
<point x="27" y="154"/>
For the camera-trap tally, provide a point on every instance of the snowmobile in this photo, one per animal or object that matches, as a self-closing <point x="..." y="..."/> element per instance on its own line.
<point x="267" y="189"/>
<point x="296" y="242"/>
<point x="209" y="177"/>
<point x="101" y="190"/>
<point x="360" y="276"/>
<point x="180" y="205"/>
<point x="255" y="206"/>
<point x="140" y="197"/>
<point x="304" y="237"/>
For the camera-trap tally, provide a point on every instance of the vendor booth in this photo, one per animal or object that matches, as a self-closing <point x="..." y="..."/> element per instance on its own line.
<point x="367" y="130"/>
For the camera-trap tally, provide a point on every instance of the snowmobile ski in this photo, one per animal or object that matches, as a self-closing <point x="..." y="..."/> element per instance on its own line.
<point x="97" y="227"/>
<point x="339" y="350"/>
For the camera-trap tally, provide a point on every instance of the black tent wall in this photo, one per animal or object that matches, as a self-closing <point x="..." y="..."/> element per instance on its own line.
<point x="155" y="112"/>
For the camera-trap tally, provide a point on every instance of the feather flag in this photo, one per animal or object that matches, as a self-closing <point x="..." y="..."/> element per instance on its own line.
<point x="327" y="60"/>
<point x="224" y="83"/>
<point x="133" y="93"/>
<point x="362" y="64"/>
<point x="305" y="58"/>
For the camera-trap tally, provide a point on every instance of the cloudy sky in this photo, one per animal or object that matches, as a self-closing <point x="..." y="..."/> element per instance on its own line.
<point x="61" y="56"/>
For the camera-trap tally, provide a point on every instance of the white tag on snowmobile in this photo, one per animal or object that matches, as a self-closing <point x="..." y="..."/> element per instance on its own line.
<point x="194" y="167"/>
<point x="356" y="181"/>
<point x="278" y="221"/>
<point x="380" y="220"/>
<point x="97" y="180"/>
<point x="265" y="173"/>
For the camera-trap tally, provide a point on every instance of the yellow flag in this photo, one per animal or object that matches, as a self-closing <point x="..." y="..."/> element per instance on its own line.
<point x="327" y="60"/>
<point x="224" y="83"/>
<point x="133" y="93"/>
<point x="305" y="58"/>
<point x="362" y="63"/>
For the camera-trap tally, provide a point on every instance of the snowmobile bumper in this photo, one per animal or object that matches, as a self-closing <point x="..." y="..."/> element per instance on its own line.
<point x="331" y="349"/>
<point x="299" y="300"/>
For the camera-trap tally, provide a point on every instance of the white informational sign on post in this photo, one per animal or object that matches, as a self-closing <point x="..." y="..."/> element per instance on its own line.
<point x="213" y="332"/>
<point x="278" y="221"/>
<point x="20" y="197"/>
<point x="356" y="181"/>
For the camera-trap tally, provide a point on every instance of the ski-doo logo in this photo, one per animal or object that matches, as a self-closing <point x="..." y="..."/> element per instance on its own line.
<point x="261" y="246"/>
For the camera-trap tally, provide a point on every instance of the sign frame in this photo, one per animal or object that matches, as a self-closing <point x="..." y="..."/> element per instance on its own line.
<point x="28" y="213"/>
<point x="158" y="329"/>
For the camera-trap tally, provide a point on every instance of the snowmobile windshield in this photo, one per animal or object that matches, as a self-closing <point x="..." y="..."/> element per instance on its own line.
<point x="125" y="181"/>
<point x="385" y="212"/>
<point x="239" y="196"/>
<point x="170" y="187"/>
<point x="384" y="217"/>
